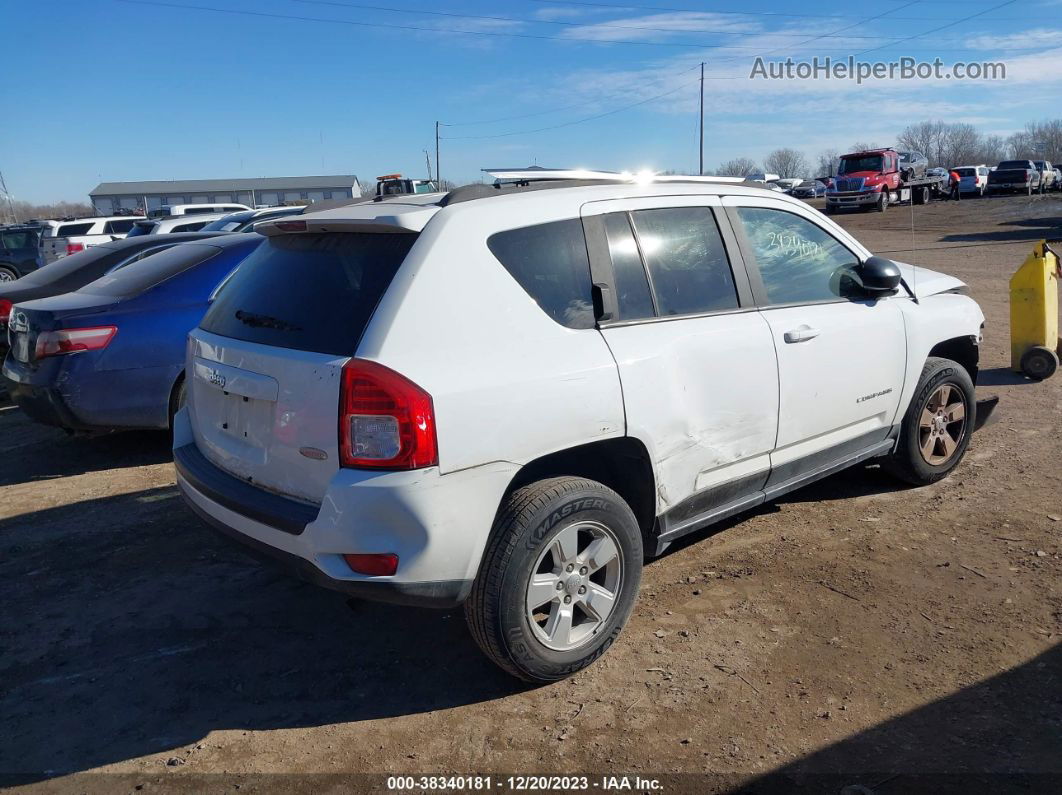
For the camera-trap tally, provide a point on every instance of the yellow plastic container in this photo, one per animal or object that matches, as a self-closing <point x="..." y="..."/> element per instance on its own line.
<point x="1034" y="340"/>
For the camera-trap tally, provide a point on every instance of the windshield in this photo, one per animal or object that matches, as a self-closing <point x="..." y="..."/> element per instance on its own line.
<point x="851" y="165"/>
<point x="309" y="292"/>
<point x="134" y="279"/>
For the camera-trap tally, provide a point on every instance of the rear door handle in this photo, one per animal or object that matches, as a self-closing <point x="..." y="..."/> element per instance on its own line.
<point x="801" y="334"/>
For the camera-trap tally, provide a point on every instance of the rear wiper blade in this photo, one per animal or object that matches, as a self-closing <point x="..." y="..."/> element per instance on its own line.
<point x="265" y="321"/>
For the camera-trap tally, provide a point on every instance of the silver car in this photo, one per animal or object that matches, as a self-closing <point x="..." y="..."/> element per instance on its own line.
<point x="914" y="162"/>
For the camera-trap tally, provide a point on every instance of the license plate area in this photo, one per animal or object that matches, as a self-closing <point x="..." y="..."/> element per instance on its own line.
<point x="20" y="346"/>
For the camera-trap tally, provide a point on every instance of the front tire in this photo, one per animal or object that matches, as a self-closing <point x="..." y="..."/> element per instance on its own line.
<point x="883" y="201"/>
<point x="936" y="429"/>
<point x="7" y="275"/>
<point x="558" y="580"/>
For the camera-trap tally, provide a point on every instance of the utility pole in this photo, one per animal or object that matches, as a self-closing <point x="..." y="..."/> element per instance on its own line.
<point x="438" y="180"/>
<point x="10" y="203"/>
<point x="701" y="169"/>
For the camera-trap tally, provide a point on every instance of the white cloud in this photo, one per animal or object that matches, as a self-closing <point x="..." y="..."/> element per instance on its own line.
<point x="658" y="26"/>
<point x="1026" y="39"/>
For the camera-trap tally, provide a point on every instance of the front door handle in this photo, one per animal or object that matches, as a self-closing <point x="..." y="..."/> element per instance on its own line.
<point x="801" y="334"/>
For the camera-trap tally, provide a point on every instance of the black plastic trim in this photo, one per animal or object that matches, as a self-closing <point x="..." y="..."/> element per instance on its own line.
<point x="684" y="519"/>
<point x="439" y="594"/>
<point x="241" y="497"/>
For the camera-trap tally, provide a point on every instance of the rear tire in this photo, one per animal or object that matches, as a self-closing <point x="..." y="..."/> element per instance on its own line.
<point x="575" y="545"/>
<point x="936" y="428"/>
<point x="178" y="399"/>
<point x="7" y="275"/>
<point x="1039" y="362"/>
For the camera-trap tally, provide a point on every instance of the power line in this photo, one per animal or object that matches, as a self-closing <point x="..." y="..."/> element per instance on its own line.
<point x="942" y="27"/>
<point x="496" y="34"/>
<point x="423" y="29"/>
<point x="565" y="23"/>
<point x="628" y="7"/>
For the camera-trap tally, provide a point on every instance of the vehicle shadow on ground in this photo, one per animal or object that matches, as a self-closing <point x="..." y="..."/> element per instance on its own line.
<point x="1019" y="230"/>
<point x="44" y="453"/>
<point x="149" y="631"/>
<point x="1002" y="376"/>
<point x="941" y="747"/>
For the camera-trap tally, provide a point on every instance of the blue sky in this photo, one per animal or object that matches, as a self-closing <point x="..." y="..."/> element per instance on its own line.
<point x="104" y="90"/>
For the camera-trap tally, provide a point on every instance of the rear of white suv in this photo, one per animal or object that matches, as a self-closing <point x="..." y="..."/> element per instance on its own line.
<point x="501" y="399"/>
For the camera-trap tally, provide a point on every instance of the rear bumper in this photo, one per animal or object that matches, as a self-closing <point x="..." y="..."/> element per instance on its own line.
<point x="43" y="404"/>
<point x="438" y="594"/>
<point x="437" y="525"/>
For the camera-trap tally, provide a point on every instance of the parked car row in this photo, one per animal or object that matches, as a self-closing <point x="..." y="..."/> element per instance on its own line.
<point x="98" y="286"/>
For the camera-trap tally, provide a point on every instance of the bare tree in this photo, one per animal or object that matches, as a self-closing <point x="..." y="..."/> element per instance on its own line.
<point x="24" y="211"/>
<point x="861" y="147"/>
<point x="993" y="150"/>
<point x="786" y="163"/>
<point x="924" y="137"/>
<point x="960" y="143"/>
<point x="827" y="163"/>
<point x="739" y="167"/>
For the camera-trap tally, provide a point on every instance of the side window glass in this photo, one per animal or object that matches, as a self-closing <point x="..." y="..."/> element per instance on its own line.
<point x="686" y="259"/>
<point x="632" y="289"/>
<point x="550" y="262"/>
<point x="799" y="261"/>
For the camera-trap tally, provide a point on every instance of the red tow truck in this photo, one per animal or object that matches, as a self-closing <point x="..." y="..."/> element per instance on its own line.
<point x="874" y="179"/>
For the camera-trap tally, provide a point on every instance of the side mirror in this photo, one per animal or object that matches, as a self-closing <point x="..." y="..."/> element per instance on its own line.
<point x="879" y="276"/>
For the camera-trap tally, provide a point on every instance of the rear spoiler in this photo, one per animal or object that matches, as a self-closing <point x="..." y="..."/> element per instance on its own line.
<point x="412" y="221"/>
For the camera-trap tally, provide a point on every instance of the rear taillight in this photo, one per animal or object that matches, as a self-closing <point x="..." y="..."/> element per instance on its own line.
<point x="5" y="311"/>
<point x="73" y="340"/>
<point x="385" y="420"/>
<point x="74" y="248"/>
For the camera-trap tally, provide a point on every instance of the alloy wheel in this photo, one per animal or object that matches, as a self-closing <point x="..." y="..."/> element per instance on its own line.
<point x="574" y="586"/>
<point x="942" y="425"/>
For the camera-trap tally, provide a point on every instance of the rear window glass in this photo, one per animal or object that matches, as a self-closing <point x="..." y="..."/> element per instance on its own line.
<point x="1014" y="164"/>
<point x="195" y="226"/>
<point x="71" y="230"/>
<point x="119" y="227"/>
<point x="550" y="262"/>
<point x="966" y="172"/>
<point x="142" y="228"/>
<point x="61" y="268"/>
<point x="148" y="272"/>
<point x="310" y="292"/>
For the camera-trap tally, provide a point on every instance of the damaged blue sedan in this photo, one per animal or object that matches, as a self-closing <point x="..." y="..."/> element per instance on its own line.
<point x="111" y="355"/>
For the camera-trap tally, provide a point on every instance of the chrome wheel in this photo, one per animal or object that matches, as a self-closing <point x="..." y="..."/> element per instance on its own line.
<point x="6" y="275"/>
<point x="574" y="585"/>
<point x="942" y="425"/>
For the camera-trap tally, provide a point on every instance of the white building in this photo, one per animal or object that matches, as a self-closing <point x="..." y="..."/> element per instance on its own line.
<point x="108" y="197"/>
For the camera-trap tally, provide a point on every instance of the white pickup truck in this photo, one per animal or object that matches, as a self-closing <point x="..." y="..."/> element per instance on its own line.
<point x="71" y="235"/>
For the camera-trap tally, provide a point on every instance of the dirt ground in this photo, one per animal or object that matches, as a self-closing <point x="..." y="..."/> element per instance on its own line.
<point x="854" y="633"/>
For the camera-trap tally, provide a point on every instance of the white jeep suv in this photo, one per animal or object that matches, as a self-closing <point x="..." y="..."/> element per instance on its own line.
<point x="508" y="397"/>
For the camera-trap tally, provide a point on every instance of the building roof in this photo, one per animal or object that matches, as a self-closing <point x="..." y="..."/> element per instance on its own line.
<point x="181" y="186"/>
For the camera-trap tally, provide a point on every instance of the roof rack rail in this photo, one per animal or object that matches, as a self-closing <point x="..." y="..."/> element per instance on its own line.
<point x="537" y="178"/>
<point x="537" y="173"/>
